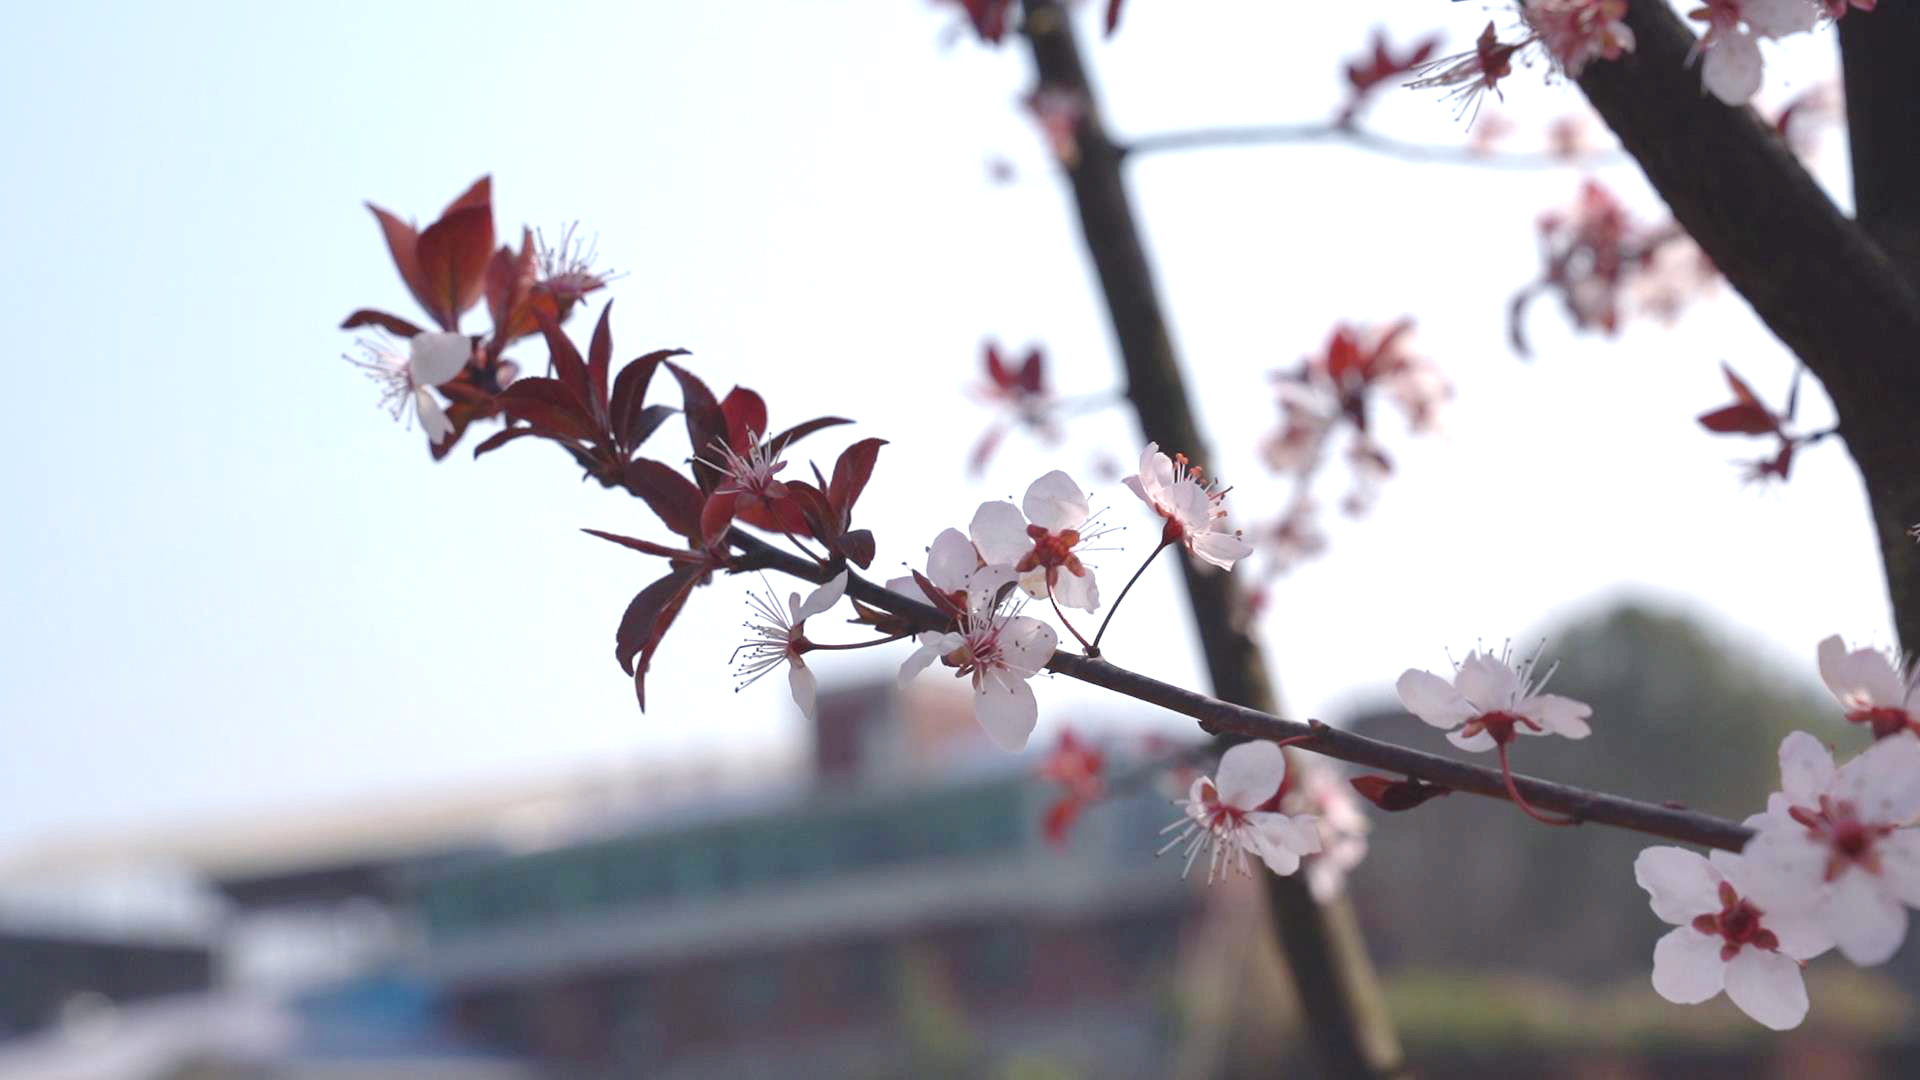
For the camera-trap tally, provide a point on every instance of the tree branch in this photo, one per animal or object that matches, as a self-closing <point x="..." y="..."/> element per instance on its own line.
<point x="1216" y="716"/>
<point x="1360" y="139"/>
<point x="1816" y="278"/>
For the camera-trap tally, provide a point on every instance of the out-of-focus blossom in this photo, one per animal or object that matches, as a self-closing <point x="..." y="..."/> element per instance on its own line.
<point x="1577" y="32"/>
<point x="1730" y="65"/>
<point x="1721" y="941"/>
<point x="431" y="359"/>
<point x="1593" y="253"/>
<point x="1323" y="795"/>
<point x="1077" y="766"/>
<point x="1021" y="395"/>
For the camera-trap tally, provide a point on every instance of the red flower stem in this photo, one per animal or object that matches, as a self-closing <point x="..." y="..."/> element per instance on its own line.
<point x="1094" y="649"/>
<point x="1506" y="773"/>
<point x="1077" y="636"/>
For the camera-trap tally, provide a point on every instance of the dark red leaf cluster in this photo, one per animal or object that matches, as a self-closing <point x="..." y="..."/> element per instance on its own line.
<point x="1021" y="394"/>
<point x="1748" y="415"/>
<point x="450" y="266"/>
<point x="701" y="507"/>
<point x="1077" y="766"/>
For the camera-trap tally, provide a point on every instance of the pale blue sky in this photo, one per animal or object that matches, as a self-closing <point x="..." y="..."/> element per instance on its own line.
<point x="236" y="586"/>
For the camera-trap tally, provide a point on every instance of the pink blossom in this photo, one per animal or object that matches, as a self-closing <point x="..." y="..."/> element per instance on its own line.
<point x="1194" y="517"/>
<point x="1722" y="941"/>
<point x="779" y="636"/>
<point x="1575" y="32"/>
<point x="1041" y="539"/>
<point x="1731" y="66"/>
<point x="1870" y="686"/>
<point x="1837" y="844"/>
<point x="950" y="562"/>
<point x="1490" y="701"/>
<point x="1221" y="815"/>
<point x="432" y="359"/>
<point x="999" y="650"/>
<point x="1324" y="794"/>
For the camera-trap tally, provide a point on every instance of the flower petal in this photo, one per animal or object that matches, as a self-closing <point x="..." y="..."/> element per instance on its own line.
<point x="1433" y="699"/>
<point x="822" y="599"/>
<point x="1478" y="742"/>
<point x="1026" y="644"/>
<point x="1005" y="707"/>
<point x="1156" y="470"/>
<point x="951" y="559"/>
<point x="932" y="647"/>
<point x="1250" y="774"/>
<point x="1862" y="678"/>
<point x="1557" y="715"/>
<point x="1191" y="508"/>
<point x="1868" y="924"/>
<point x="800" y="679"/>
<point x="1881" y="782"/>
<point x="1806" y="768"/>
<point x="999" y="530"/>
<point x="984" y="584"/>
<point x="438" y="357"/>
<point x="1778" y="18"/>
<point x="1687" y="968"/>
<point x="1487" y="681"/>
<point x="1680" y="884"/>
<point x="433" y="419"/>
<point x="1076" y="590"/>
<point x="1055" y="503"/>
<point x="1222" y="549"/>
<point x="1900" y="865"/>
<point x="1767" y="986"/>
<point x="1732" y="68"/>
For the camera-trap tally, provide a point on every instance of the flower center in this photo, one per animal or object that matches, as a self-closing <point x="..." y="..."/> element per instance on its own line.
<point x="1883" y="720"/>
<point x="1737" y="925"/>
<point x="1052" y="550"/>
<point x="1499" y="724"/>
<point x="1849" y="841"/>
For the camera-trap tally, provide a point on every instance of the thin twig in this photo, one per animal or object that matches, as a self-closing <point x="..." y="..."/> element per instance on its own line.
<point x="1217" y="717"/>
<point x="1212" y="138"/>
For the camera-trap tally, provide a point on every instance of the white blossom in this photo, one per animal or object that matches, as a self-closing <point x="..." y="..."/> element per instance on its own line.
<point x="1194" y="517"/>
<point x="999" y="650"/>
<point x="1041" y="539"/>
<point x="1491" y="700"/>
<point x="778" y="636"/>
<point x="431" y="359"/>
<point x="1221" y="816"/>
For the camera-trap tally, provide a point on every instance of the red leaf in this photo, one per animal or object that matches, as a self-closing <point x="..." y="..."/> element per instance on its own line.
<point x="1060" y="818"/>
<point x="509" y="286"/>
<point x="1396" y="795"/>
<point x="746" y="414"/>
<point x="567" y="365"/>
<point x="1740" y="419"/>
<point x="391" y="323"/>
<point x="1742" y="393"/>
<point x="547" y="403"/>
<point x="403" y="242"/>
<point x="599" y="362"/>
<point x="501" y="438"/>
<point x="936" y="596"/>
<point x="716" y="516"/>
<point x="671" y="497"/>
<point x="1113" y="16"/>
<point x="646" y="621"/>
<point x="627" y="411"/>
<point x="454" y="253"/>
<point x="1032" y="377"/>
<point x="646" y="547"/>
<point x="706" y="424"/>
<point x="779" y="443"/>
<point x="858" y="547"/>
<point x="851" y="472"/>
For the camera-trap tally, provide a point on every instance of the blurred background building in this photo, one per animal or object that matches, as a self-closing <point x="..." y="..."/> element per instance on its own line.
<point x="892" y="907"/>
